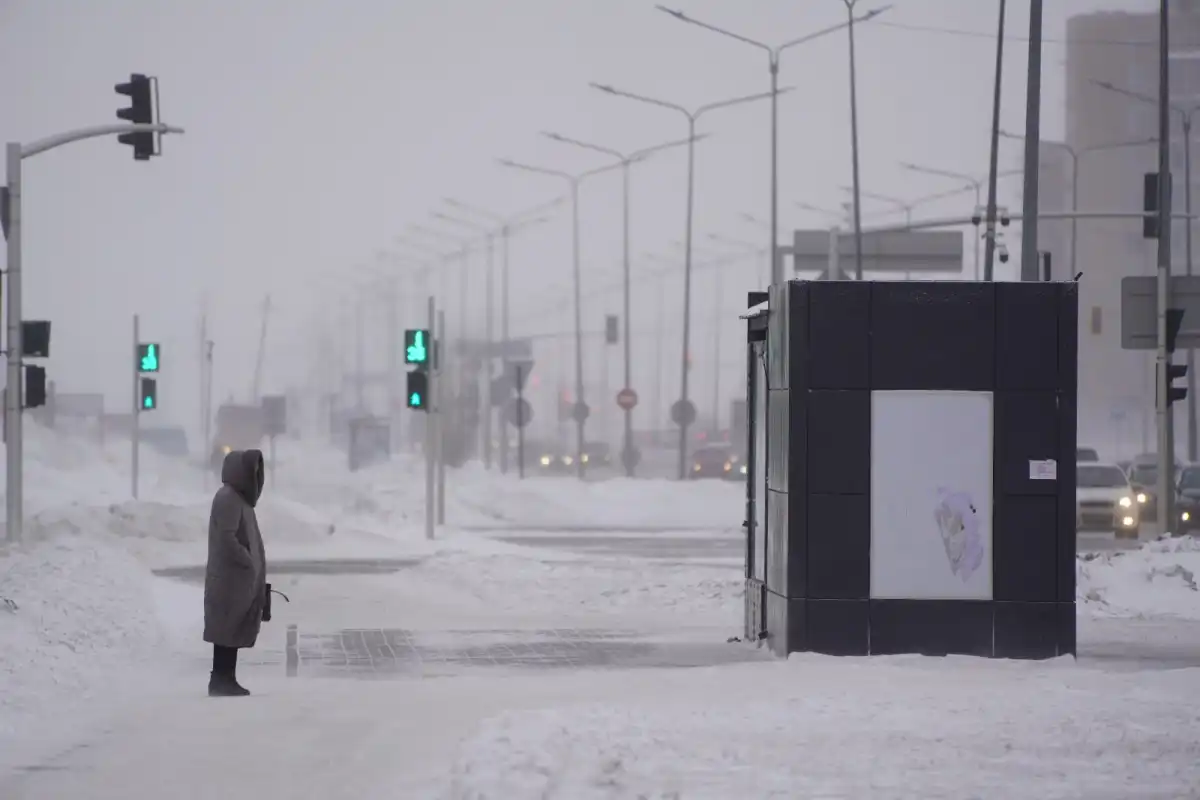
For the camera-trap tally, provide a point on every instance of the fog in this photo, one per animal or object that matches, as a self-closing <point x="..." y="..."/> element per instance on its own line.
<point x="318" y="132"/>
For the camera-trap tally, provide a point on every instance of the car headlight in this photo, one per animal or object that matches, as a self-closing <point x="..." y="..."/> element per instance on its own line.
<point x="545" y="461"/>
<point x="695" y="467"/>
<point x="743" y="469"/>
<point x="1127" y="522"/>
<point x="728" y="466"/>
<point x="1125" y="502"/>
<point x="584" y="458"/>
<point x="568" y="460"/>
<point x="1185" y="516"/>
<point x="1141" y="497"/>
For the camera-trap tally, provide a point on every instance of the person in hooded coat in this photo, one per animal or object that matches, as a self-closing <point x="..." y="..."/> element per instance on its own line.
<point x="235" y="579"/>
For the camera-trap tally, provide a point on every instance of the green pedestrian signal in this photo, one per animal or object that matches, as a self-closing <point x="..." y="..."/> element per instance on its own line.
<point x="148" y="357"/>
<point x="418" y="391"/>
<point x="416" y="347"/>
<point x="149" y="394"/>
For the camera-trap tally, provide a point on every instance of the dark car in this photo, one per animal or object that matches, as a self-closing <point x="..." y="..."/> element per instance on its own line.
<point x="1143" y="477"/>
<point x="597" y="454"/>
<point x="1188" y="499"/>
<point x="714" y="462"/>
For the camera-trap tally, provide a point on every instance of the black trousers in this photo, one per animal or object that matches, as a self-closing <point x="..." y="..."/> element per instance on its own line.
<point x="224" y="660"/>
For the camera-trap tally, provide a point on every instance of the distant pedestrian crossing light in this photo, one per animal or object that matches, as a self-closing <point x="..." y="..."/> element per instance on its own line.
<point x="418" y="391"/>
<point x="149" y="394"/>
<point x="148" y="357"/>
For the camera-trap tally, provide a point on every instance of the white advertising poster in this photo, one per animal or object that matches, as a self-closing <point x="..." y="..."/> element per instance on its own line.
<point x="931" y="495"/>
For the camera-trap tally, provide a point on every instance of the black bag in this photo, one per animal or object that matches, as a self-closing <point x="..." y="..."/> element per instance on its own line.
<point x="266" y="613"/>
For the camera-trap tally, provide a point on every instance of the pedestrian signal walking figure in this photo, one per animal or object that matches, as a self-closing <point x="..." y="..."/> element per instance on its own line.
<point x="235" y="579"/>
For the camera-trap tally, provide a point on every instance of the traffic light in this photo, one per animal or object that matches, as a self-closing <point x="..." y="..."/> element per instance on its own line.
<point x="35" y="386"/>
<point x="1150" y="198"/>
<point x="149" y="394"/>
<point x="417" y="347"/>
<point x="417" y="391"/>
<point x="140" y="91"/>
<point x="149" y="356"/>
<point x="611" y="336"/>
<point x="35" y="339"/>
<point x="1174" y="371"/>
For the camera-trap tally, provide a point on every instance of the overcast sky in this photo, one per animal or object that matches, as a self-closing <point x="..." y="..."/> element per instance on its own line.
<point x="319" y="130"/>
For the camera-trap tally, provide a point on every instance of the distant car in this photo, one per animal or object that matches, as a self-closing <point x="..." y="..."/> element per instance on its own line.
<point x="713" y="462"/>
<point x="1086" y="455"/>
<point x="1104" y="500"/>
<point x="597" y="454"/>
<point x="550" y="459"/>
<point x="1143" y="477"/>
<point x="1188" y="499"/>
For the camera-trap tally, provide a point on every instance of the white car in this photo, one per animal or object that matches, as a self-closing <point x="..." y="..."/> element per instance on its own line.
<point x="1104" y="500"/>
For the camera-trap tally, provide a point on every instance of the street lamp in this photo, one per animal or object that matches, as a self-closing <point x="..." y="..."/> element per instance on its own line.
<point x="508" y="225"/>
<point x="858" y="254"/>
<point x="977" y="184"/>
<point x="573" y="181"/>
<point x="773" y="54"/>
<point x="1187" y="116"/>
<point x="1075" y="154"/>
<point x="462" y="245"/>
<point x="628" y="456"/>
<point x="692" y="115"/>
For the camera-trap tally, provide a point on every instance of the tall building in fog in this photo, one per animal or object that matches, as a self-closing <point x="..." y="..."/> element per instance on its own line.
<point x="1109" y="138"/>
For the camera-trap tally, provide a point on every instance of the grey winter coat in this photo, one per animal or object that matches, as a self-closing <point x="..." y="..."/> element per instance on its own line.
<point x="236" y="575"/>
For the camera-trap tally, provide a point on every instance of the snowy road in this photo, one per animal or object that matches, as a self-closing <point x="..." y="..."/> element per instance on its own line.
<point x="556" y="641"/>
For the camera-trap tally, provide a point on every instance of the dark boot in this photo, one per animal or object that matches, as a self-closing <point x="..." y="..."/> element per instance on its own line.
<point x="225" y="685"/>
<point x="222" y="681"/>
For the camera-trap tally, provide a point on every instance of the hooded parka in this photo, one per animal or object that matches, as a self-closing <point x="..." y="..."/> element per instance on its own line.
<point x="236" y="575"/>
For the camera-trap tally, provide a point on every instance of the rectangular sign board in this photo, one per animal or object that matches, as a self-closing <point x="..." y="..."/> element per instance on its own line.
<point x="883" y="251"/>
<point x="1139" y="311"/>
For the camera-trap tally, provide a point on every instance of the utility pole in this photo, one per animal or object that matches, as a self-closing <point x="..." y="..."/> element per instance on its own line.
<point x="1033" y="138"/>
<point x="431" y="431"/>
<point x="1166" y="432"/>
<point x="439" y="369"/>
<point x="989" y="252"/>
<point x="135" y="417"/>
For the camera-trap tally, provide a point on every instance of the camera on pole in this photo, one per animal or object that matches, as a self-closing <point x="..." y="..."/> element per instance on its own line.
<point x="142" y="92"/>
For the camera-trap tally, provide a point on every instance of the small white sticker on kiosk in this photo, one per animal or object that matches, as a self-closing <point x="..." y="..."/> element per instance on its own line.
<point x="1044" y="470"/>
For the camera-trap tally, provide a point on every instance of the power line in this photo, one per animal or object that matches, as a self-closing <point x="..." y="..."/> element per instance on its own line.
<point x="992" y="36"/>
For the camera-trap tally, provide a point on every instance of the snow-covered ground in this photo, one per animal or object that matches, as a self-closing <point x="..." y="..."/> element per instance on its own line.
<point x="95" y="650"/>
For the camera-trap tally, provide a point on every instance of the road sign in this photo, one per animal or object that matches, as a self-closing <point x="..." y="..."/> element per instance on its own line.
<point x="1139" y="311"/>
<point x="519" y="412"/>
<point x="883" y="251"/>
<point x="274" y="415"/>
<point x="580" y="412"/>
<point x="627" y="399"/>
<point x="683" y="412"/>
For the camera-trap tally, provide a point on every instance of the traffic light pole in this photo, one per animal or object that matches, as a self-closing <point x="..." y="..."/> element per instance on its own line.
<point x="15" y="153"/>
<point x="1166" y="432"/>
<point x="135" y="418"/>
<point x="431" y="418"/>
<point x="439" y="369"/>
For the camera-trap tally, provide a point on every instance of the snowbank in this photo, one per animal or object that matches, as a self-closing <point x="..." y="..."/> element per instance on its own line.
<point x="78" y="626"/>
<point x="1157" y="580"/>
<point x="824" y="727"/>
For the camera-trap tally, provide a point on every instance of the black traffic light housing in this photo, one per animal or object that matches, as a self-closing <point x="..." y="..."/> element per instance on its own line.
<point x="1174" y="371"/>
<point x="149" y="395"/>
<point x="142" y="92"/>
<point x="35" y="338"/>
<point x="1150" y="205"/>
<point x="417" y="390"/>
<point x="611" y="333"/>
<point x="35" y="386"/>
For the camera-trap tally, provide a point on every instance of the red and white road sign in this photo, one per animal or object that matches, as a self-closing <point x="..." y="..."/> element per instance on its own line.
<point x="627" y="399"/>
